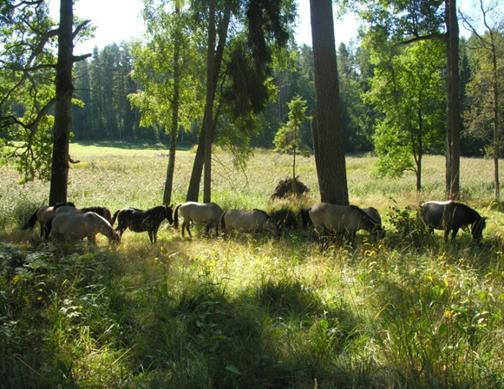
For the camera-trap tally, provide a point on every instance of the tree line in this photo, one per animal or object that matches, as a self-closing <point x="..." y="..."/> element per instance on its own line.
<point x="227" y="72"/>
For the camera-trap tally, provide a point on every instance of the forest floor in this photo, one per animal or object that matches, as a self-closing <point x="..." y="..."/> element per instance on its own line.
<point x="250" y="311"/>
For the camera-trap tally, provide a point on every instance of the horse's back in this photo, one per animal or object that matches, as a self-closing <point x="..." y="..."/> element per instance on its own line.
<point x="447" y="214"/>
<point x="246" y="221"/>
<point x="337" y="218"/>
<point x="200" y="212"/>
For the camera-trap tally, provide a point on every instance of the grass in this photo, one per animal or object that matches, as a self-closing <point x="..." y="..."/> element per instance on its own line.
<point x="408" y="311"/>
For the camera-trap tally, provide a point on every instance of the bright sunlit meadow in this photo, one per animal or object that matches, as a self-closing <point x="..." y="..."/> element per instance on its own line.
<point x="250" y="311"/>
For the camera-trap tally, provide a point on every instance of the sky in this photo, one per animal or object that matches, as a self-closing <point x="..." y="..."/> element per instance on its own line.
<point x="121" y="20"/>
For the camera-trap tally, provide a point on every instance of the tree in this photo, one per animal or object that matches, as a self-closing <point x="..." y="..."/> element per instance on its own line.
<point x="486" y="87"/>
<point x="26" y="86"/>
<point x="327" y="131"/>
<point x="63" y="113"/>
<point x="162" y="67"/>
<point x="243" y="78"/>
<point x="27" y="92"/>
<point x="407" y="89"/>
<point x="288" y="139"/>
<point x="411" y="21"/>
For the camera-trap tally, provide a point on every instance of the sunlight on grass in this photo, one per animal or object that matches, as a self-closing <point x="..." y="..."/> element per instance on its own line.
<point x="249" y="311"/>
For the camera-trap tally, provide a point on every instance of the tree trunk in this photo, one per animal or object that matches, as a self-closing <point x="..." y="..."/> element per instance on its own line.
<point x="63" y="116"/>
<point x="454" y="106"/>
<point x="496" y="119"/>
<point x="175" y="118"/>
<point x="210" y="95"/>
<point x="209" y="123"/>
<point x="327" y="133"/>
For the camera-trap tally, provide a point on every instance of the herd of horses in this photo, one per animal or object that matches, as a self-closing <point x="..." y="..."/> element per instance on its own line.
<point x="65" y="222"/>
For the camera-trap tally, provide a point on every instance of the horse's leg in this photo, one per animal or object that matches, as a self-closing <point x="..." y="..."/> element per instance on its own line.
<point x="188" y="228"/>
<point x="454" y="233"/>
<point x="92" y="239"/>
<point x="446" y="233"/>
<point x="207" y="233"/>
<point x="183" y="228"/>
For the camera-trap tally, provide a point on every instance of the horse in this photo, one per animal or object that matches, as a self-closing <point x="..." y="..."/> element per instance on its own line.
<point x="451" y="216"/>
<point x="44" y="214"/>
<point x="68" y="226"/>
<point x="344" y="220"/>
<point x="248" y="221"/>
<point x="208" y="213"/>
<point x="139" y="221"/>
<point x="285" y="218"/>
<point x="102" y="211"/>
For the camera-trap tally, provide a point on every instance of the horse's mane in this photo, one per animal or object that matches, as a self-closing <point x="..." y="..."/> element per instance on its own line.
<point x="362" y="213"/>
<point x="63" y="204"/>
<point x="263" y="212"/>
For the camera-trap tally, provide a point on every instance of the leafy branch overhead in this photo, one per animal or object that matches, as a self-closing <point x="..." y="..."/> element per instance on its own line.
<point x="27" y="91"/>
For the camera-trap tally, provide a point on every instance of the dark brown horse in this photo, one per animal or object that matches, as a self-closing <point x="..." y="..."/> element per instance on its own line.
<point x="140" y="221"/>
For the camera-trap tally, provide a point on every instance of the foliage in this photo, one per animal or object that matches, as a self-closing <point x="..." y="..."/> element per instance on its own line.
<point x="407" y="89"/>
<point x="26" y="87"/>
<point x="153" y="70"/>
<point x="479" y="116"/>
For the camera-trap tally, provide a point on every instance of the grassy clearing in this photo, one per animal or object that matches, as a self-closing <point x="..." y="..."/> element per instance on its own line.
<point x="408" y="311"/>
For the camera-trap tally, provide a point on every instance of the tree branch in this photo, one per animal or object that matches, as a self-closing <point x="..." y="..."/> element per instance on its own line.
<point x="81" y="26"/>
<point x="77" y="58"/>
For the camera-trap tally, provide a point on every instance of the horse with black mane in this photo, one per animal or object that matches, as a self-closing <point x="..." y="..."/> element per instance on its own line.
<point x="43" y="214"/>
<point x="451" y="216"/>
<point x="343" y="220"/>
<point x="207" y="213"/>
<point x="256" y="220"/>
<point x="140" y="221"/>
<point x="70" y="226"/>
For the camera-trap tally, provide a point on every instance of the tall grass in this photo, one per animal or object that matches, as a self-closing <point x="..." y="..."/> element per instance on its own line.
<point x="407" y="311"/>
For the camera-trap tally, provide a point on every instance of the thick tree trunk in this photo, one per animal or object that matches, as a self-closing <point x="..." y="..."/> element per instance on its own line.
<point x="63" y="116"/>
<point x="327" y="132"/>
<point x="210" y="96"/>
<point x="194" y="183"/>
<point x="174" y="119"/>
<point x="454" y="106"/>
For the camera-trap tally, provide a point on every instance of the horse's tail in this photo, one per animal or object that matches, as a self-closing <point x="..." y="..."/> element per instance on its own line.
<point x="31" y="222"/>
<point x="305" y="217"/>
<point x="114" y="217"/>
<point x="223" y="222"/>
<point x="175" y="215"/>
<point x="46" y="228"/>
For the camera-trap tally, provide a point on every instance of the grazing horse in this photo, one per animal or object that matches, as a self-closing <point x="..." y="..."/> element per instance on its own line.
<point x="248" y="221"/>
<point x="208" y="213"/>
<point x="70" y="226"/>
<point x="139" y="221"/>
<point x="450" y="216"/>
<point x="44" y="214"/>
<point x="343" y="220"/>
<point x="102" y="211"/>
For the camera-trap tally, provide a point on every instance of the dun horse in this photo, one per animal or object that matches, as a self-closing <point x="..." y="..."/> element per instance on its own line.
<point x="342" y="220"/>
<point x="44" y="214"/>
<point x="139" y="221"/>
<point x="71" y="226"/>
<point x="207" y="213"/>
<point x="451" y="216"/>
<point x="248" y="221"/>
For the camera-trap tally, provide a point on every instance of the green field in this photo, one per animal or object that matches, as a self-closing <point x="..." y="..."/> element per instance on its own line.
<point x="407" y="311"/>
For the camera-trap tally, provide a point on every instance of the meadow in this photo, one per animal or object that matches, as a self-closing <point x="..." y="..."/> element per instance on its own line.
<point x="250" y="311"/>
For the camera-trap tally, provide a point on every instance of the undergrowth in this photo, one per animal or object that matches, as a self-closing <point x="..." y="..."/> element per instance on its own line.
<point x="404" y="311"/>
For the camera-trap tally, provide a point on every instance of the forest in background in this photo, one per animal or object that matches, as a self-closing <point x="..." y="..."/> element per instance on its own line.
<point x="104" y="82"/>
